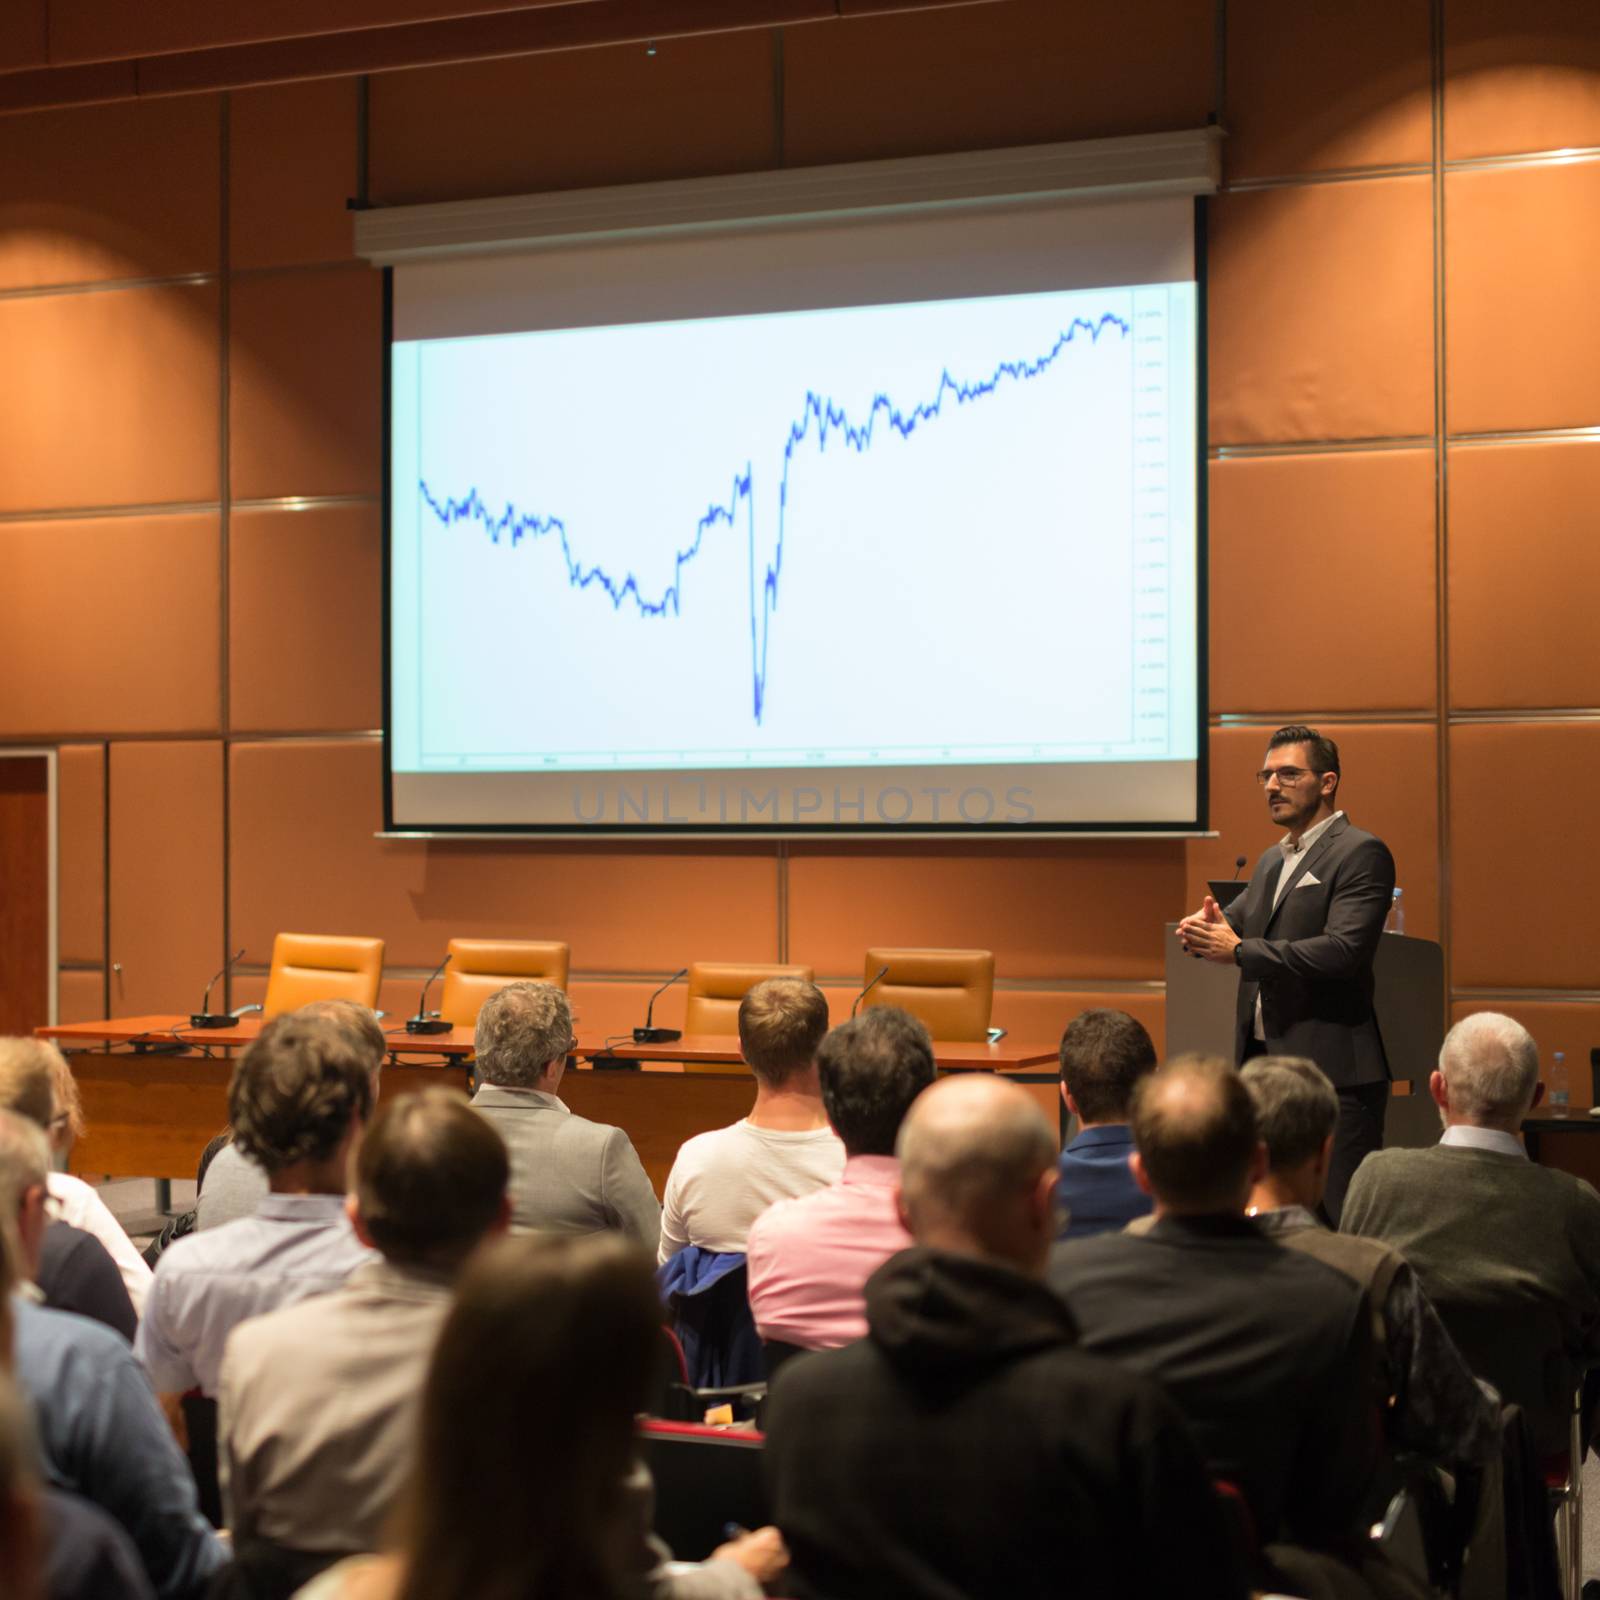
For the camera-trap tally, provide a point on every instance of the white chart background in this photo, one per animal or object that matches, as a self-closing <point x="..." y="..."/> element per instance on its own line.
<point x="964" y="594"/>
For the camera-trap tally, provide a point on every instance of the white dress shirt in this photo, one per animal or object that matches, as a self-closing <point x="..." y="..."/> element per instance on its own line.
<point x="1503" y="1144"/>
<point x="1292" y="851"/>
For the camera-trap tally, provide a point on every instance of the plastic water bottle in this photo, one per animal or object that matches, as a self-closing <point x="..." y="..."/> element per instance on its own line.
<point x="1560" y="1085"/>
<point x="1395" y="922"/>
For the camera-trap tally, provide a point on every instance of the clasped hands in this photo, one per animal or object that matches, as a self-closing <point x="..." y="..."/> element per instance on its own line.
<point x="1207" y="935"/>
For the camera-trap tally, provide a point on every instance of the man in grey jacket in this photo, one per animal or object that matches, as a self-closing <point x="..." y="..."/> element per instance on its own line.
<point x="568" y="1175"/>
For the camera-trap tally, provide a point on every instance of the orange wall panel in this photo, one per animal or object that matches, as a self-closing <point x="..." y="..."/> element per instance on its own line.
<point x="1520" y="75"/>
<point x="305" y="608"/>
<point x="305" y="384"/>
<point x="115" y="191"/>
<point x="1390" y="787"/>
<point x="1319" y="88"/>
<point x="1572" y="1027"/>
<point x="292" y="163"/>
<point x="166" y="874"/>
<point x="1522" y="321"/>
<point x="1522" y="907"/>
<point x="1079" y="910"/>
<point x="24" y="34"/>
<point x="1365" y="524"/>
<point x="968" y="78"/>
<point x="1524" y="573"/>
<point x="119" y="631"/>
<point x="81" y="851"/>
<point x="698" y="106"/>
<point x="95" y="30"/>
<point x="110" y="399"/>
<point x="1321" y="312"/>
<point x="303" y="858"/>
<point x="81" y="996"/>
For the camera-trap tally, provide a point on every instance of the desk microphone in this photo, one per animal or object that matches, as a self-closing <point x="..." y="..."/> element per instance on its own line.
<point x="651" y="1035"/>
<point x="423" y="1022"/>
<point x="882" y="973"/>
<point x="1238" y="870"/>
<point x="205" y="1017"/>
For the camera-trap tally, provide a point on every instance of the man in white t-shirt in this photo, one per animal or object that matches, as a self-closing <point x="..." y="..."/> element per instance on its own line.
<point x="723" y="1180"/>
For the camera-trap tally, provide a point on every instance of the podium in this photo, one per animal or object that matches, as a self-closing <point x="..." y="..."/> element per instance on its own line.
<point x="1408" y="997"/>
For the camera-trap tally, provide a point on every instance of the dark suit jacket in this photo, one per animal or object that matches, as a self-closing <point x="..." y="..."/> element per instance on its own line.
<point x="1310" y="957"/>
<point x="1268" y="1353"/>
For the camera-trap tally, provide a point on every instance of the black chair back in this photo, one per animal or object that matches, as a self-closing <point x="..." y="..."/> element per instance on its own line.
<point x="706" y="1480"/>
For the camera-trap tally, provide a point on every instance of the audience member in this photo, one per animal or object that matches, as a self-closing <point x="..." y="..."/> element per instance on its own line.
<point x="524" y="1459"/>
<point x="231" y="1184"/>
<point x="1508" y="1252"/>
<point x="107" y="1451"/>
<point x="53" y="1546"/>
<point x="723" y="1180"/>
<point x="318" y="1400"/>
<point x="1103" y="1055"/>
<point x="1267" y="1351"/>
<point x="74" y="1271"/>
<point x="810" y="1257"/>
<point x="966" y="1446"/>
<point x="22" y="1536"/>
<point x="297" y="1102"/>
<point x="568" y="1175"/>
<point x="22" y="1064"/>
<point x="1433" y="1405"/>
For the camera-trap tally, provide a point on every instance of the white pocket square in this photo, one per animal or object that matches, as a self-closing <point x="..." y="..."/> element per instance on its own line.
<point x="1307" y="881"/>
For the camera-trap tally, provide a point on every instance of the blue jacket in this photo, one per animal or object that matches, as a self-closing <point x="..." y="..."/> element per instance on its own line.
<point x="705" y="1291"/>
<point x="1096" y="1187"/>
<point x="103" y="1436"/>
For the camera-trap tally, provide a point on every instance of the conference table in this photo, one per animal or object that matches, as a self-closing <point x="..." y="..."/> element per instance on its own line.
<point x="155" y="1089"/>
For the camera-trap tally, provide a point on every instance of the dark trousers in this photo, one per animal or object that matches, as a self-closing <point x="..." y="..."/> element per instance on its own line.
<point x="1358" y="1132"/>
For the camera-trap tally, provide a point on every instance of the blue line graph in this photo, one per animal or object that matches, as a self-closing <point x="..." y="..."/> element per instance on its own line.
<point x="820" y="418"/>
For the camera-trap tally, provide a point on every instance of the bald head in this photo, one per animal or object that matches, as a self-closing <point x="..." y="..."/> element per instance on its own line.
<point x="1490" y="1070"/>
<point x="977" y="1170"/>
<point x="1194" y="1126"/>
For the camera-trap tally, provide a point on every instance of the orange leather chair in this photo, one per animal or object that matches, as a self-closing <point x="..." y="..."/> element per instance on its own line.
<point x="951" y="991"/>
<point x="717" y="987"/>
<point x="317" y="966"/>
<point x="479" y="967"/>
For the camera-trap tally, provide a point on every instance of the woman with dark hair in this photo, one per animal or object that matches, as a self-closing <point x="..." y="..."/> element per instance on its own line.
<point x="526" y="1435"/>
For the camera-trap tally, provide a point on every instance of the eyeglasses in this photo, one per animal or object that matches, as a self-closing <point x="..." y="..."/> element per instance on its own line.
<point x="1284" y="775"/>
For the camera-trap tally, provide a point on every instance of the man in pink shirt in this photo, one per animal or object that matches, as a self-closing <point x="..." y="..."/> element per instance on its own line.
<point x="809" y="1257"/>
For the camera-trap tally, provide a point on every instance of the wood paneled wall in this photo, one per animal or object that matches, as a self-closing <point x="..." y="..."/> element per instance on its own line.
<point x="1404" y="544"/>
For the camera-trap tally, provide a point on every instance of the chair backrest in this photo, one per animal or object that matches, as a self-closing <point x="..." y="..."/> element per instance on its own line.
<point x="318" y="966"/>
<point x="705" y="1478"/>
<point x="1520" y="1350"/>
<point x="950" y="991"/>
<point x="479" y="967"/>
<point x="717" y="987"/>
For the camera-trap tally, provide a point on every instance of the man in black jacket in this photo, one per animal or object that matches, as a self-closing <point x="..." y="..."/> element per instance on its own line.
<point x="966" y="1448"/>
<point x="1268" y="1353"/>
<point x="1303" y="936"/>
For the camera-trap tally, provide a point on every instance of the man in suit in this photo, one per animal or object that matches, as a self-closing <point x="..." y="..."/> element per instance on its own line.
<point x="568" y="1175"/>
<point x="1303" y="935"/>
<point x="1268" y="1353"/>
<point x="967" y="1446"/>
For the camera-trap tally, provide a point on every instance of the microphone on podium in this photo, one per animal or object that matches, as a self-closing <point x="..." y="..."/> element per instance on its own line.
<point x="653" y="1035"/>
<point x="422" y="1022"/>
<point x="878" y="977"/>
<point x="205" y="1017"/>
<point x="1238" y="868"/>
